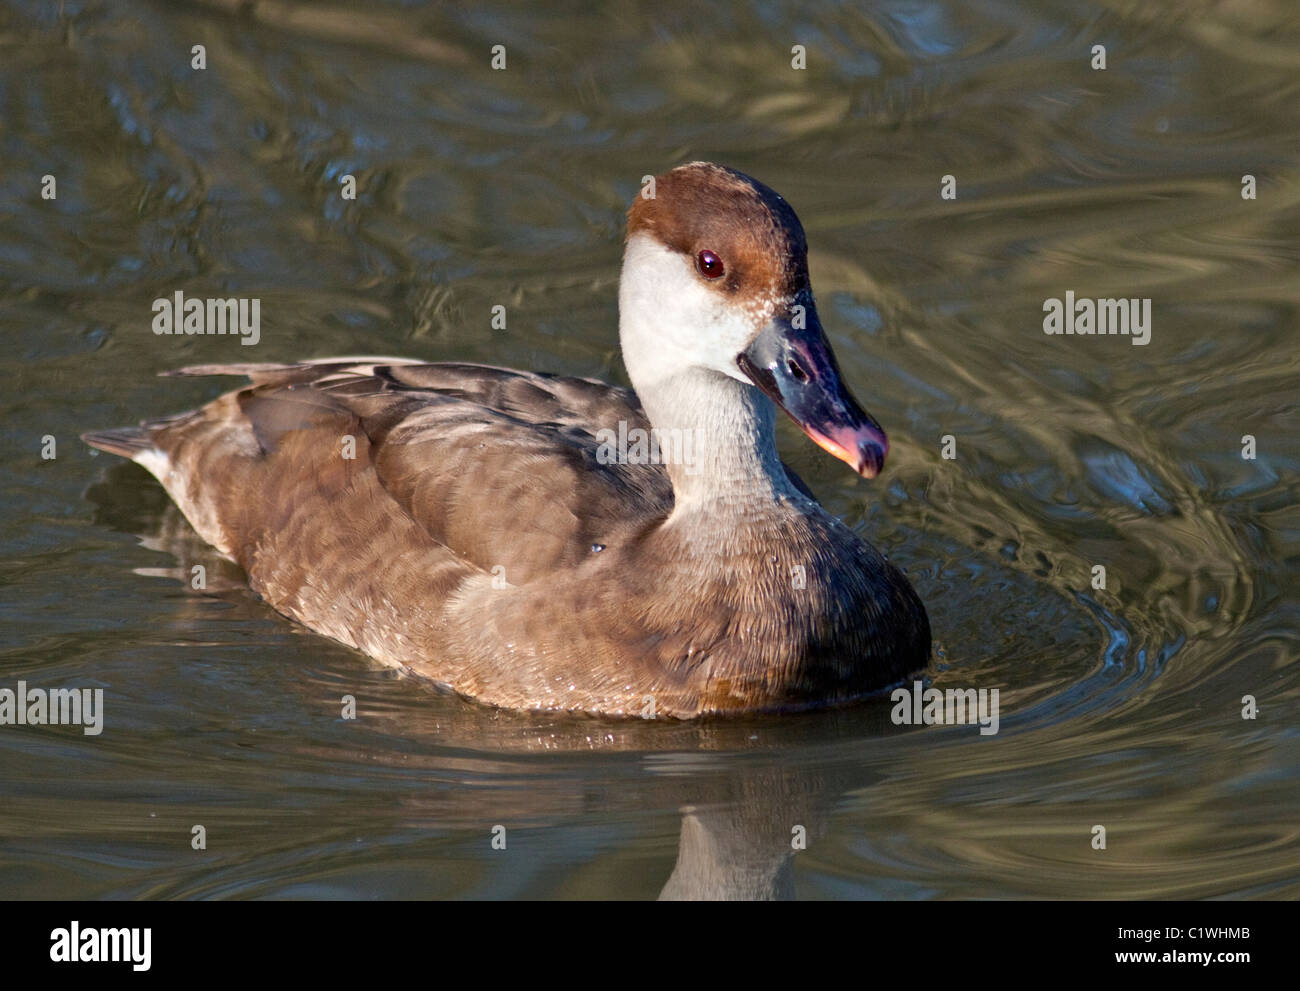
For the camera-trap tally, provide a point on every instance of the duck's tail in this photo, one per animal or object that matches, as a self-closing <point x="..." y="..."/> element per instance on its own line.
<point x="127" y="442"/>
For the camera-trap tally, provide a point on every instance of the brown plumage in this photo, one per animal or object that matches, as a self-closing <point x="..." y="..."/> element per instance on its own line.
<point x="476" y="537"/>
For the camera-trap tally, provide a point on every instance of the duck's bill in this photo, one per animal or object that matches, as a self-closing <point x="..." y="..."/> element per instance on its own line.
<point x="796" y="369"/>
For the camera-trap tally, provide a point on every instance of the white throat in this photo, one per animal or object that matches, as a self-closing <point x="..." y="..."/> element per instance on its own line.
<point x="680" y="340"/>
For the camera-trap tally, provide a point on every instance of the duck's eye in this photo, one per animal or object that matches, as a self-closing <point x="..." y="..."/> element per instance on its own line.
<point x="709" y="264"/>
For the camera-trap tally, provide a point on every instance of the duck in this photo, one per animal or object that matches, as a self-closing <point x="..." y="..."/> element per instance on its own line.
<point x="537" y="541"/>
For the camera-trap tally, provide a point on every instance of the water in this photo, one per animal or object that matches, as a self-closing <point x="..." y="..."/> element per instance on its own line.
<point x="1119" y="707"/>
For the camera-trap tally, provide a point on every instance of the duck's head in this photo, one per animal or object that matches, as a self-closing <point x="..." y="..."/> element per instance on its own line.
<point x="715" y="277"/>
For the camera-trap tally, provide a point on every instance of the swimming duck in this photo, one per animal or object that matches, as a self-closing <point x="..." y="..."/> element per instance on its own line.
<point x="538" y="541"/>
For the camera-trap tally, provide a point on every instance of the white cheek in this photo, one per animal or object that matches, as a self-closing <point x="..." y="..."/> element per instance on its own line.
<point x="670" y="319"/>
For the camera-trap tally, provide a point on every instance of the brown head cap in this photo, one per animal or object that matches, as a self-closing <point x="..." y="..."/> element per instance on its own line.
<point x="705" y="207"/>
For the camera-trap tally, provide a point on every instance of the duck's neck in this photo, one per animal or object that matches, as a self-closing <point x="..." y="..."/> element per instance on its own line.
<point x="721" y="437"/>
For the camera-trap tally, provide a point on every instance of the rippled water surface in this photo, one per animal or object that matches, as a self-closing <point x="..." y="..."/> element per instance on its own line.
<point x="1119" y="706"/>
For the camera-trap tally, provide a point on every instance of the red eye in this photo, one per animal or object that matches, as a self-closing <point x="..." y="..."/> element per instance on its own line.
<point x="709" y="264"/>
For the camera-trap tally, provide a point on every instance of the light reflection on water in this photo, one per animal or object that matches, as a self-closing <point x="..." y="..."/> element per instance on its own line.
<point x="1120" y="705"/>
